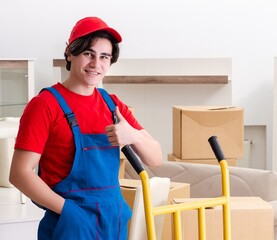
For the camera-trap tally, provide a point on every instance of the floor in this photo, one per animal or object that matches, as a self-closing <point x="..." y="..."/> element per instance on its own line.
<point x="17" y="221"/>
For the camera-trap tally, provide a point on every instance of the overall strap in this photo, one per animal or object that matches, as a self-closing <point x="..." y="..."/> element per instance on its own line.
<point x="107" y="98"/>
<point x="70" y="115"/>
<point x="67" y="111"/>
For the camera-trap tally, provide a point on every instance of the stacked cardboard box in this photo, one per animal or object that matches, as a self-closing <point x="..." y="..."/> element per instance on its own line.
<point x="177" y="190"/>
<point x="171" y="157"/>
<point x="121" y="169"/>
<point x="194" y="125"/>
<point x="251" y="219"/>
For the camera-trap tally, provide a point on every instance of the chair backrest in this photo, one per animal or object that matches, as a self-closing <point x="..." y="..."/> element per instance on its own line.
<point x="159" y="188"/>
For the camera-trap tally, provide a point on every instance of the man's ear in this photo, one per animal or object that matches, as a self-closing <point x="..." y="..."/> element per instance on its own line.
<point x="68" y="55"/>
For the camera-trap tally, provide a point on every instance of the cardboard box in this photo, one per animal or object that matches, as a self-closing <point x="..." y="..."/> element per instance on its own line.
<point x="171" y="157"/>
<point x="194" y="125"/>
<point x="251" y="219"/>
<point x="129" y="186"/>
<point x="121" y="155"/>
<point x="121" y="168"/>
<point x="177" y="190"/>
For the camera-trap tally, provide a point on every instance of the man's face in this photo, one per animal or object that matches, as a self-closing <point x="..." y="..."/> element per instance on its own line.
<point x="90" y="66"/>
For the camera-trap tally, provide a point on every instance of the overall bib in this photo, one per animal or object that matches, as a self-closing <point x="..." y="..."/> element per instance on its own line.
<point x="94" y="208"/>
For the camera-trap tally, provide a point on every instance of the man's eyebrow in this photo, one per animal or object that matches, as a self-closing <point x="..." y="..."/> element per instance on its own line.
<point x="103" y="54"/>
<point x="106" y="54"/>
<point x="90" y="50"/>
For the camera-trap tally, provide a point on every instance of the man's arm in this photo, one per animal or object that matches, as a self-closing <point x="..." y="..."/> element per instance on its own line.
<point x="23" y="177"/>
<point x="145" y="146"/>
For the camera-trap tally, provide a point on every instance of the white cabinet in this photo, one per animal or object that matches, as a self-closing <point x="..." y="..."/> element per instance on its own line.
<point x="16" y="85"/>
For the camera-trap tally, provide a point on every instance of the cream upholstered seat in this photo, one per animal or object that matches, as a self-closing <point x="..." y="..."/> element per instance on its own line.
<point x="8" y="132"/>
<point x="205" y="181"/>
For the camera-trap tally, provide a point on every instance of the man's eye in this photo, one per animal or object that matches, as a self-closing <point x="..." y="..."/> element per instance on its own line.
<point x="106" y="57"/>
<point x="87" y="54"/>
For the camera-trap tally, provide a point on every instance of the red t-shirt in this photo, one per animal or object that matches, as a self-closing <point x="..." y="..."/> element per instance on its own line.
<point x="44" y="128"/>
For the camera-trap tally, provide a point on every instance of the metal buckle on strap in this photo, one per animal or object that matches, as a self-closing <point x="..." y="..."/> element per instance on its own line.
<point x="71" y="119"/>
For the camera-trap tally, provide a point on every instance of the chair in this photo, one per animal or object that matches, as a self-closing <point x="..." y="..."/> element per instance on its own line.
<point x="8" y="131"/>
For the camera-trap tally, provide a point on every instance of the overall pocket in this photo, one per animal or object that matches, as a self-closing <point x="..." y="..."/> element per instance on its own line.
<point x="113" y="220"/>
<point x="47" y="225"/>
<point x="101" y="164"/>
<point x="74" y="223"/>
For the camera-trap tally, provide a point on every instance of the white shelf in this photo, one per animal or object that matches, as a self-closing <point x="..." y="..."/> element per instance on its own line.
<point x="18" y="221"/>
<point x="16" y="85"/>
<point x="13" y="211"/>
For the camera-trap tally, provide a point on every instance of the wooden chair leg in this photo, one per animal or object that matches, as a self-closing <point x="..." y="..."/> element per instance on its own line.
<point x="23" y="198"/>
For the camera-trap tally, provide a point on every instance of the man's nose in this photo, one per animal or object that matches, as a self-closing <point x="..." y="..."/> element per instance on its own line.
<point x="94" y="61"/>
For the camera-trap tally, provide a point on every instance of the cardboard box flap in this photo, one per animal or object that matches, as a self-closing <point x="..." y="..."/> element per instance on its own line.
<point x="129" y="183"/>
<point x="184" y="200"/>
<point x="213" y="118"/>
<point x="189" y="200"/>
<point x="220" y="108"/>
<point x="206" y="108"/>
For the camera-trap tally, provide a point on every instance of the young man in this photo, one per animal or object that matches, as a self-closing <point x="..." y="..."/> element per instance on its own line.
<point x="73" y="131"/>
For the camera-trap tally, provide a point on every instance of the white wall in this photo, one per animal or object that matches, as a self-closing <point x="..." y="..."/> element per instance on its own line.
<point x="152" y="103"/>
<point x="242" y="30"/>
<point x="274" y="128"/>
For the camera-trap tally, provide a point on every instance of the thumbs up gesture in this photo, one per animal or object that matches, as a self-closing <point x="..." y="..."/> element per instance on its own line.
<point x="121" y="133"/>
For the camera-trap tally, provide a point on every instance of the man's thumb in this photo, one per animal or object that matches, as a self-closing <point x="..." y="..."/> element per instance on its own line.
<point x="118" y="114"/>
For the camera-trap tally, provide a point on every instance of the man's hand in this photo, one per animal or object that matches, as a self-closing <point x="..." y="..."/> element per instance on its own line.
<point x="121" y="133"/>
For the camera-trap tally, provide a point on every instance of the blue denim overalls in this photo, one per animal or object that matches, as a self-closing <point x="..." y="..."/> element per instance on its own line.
<point x="94" y="208"/>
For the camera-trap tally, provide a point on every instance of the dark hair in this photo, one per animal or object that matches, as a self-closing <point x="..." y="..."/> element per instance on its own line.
<point x="84" y="43"/>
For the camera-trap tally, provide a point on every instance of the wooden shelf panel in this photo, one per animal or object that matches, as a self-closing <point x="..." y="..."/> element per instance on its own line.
<point x="7" y="64"/>
<point x="166" y="79"/>
<point x="154" y="79"/>
<point x="59" y="62"/>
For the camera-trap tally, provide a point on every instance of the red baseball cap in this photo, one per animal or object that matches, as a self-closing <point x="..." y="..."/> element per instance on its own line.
<point x="89" y="25"/>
